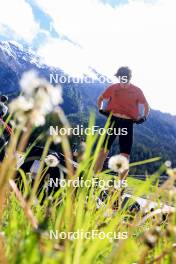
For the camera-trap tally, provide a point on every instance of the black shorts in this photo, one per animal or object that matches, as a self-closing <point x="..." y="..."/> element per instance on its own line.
<point x="124" y="129"/>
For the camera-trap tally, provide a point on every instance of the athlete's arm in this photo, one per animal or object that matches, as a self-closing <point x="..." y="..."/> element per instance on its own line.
<point x="105" y="95"/>
<point x="99" y="102"/>
<point x="147" y="109"/>
<point x="143" y="102"/>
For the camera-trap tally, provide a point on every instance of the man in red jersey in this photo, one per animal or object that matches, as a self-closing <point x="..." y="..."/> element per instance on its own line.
<point x="128" y="105"/>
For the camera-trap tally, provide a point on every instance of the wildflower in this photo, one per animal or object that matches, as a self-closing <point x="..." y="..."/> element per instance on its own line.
<point x="30" y="81"/>
<point x="57" y="139"/>
<point x="21" y="104"/>
<point x="47" y="97"/>
<point x="32" y="85"/>
<point x="39" y="99"/>
<point x="118" y="163"/>
<point x="51" y="161"/>
<point x="168" y="164"/>
<point x="37" y="118"/>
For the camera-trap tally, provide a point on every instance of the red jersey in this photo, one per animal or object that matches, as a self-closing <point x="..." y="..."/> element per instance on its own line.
<point x="124" y="100"/>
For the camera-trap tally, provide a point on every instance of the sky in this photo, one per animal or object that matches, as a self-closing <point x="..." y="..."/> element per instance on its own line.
<point x="104" y="34"/>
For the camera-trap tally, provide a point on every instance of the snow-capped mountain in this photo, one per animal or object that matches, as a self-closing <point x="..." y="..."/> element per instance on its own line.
<point x="15" y="59"/>
<point x="17" y="52"/>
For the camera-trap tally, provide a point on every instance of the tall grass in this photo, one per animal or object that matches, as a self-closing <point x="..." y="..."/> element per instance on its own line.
<point x="28" y="227"/>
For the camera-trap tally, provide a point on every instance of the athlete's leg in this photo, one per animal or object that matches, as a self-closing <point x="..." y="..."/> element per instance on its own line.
<point x="108" y="141"/>
<point x="125" y="143"/>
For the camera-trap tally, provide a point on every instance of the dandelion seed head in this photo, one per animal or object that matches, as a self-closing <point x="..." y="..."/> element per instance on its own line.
<point x="38" y="99"/>
<point x="118" y="163"/>
<point x="21" y="104"/>
<point x="51" y="161"/>
<point x="168" y="164"/>
<point x="37" y="118"/>
<point x="30" y="81"/>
